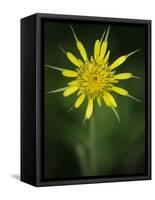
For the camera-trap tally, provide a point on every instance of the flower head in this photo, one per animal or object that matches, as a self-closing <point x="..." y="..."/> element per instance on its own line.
<point x="94" y="79"/>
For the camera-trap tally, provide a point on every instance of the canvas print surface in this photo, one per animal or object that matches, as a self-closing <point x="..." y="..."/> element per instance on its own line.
<point x="94" y="99"/>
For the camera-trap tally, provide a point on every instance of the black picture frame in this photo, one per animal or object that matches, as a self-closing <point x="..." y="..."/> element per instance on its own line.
<point x="32" y="100"/>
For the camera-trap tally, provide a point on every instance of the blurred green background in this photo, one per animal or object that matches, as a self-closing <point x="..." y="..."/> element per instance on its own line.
<point x="120" y="147"/>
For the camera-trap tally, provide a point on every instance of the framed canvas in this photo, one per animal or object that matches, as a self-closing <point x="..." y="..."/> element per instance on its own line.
<point x="85" y="99"/>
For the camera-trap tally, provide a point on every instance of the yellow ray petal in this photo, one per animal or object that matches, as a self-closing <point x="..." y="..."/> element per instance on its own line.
<point x="103" y="49"/>
<point x="123" y="76"/>
<point x="120" y="91"/>
<point x="72" y="83"/>
<point x="69" y="73"/>
<point x="117" y="62"/>
<point x="81" y="63"/>
<point x="109" y="100"/>
<point x="104" y="45"/>
<point x="107" y="57"/>
<point x="99" y="101"/>
<point x="82" y="50"/>
<point x="73" y="59"/>
<point x="89" y="109"/>
<point x="79" y="92"/>
<point x="70" y="90"/>
<point x="113" y="80"/>
<point x="79" y="101"/>
<point x="80" y="46"/>
<point x="96" y="49"/>
<point x="91" y="58"/>
<point x="121" y="60"/>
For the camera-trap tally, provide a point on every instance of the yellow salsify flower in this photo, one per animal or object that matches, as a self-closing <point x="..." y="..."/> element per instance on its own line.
<point x="94" y="79"/>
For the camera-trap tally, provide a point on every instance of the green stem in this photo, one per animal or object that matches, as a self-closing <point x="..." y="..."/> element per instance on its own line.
<point x="92" y="146"/>
<point x="82" y="159"/>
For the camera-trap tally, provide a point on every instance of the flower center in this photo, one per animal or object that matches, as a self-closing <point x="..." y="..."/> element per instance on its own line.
<point x="93" y="80"/>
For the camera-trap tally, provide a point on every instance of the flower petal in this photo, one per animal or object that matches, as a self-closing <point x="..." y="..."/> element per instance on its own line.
<point x="69" y="73"/>
<point x="96" y="49"/>
<point x="121" y="60"/>
<point x="73" y="59"/>
<point x="70" y="90"/>
<point x="104" y="45"/>
<point x="82" y="50"/>
<point x="103" y="49"/>
<point x="107" y="57"/>
<point x="123" y="76"/>
<point x="80" y="46"/>
<point x="99" y="101"/>
<point x="109" y="99"/>
<point x="120" y="91"/>
<point x="79" y="101"/>
<point x="89" y="109"/>
<point x="73" y="83"/>
<point x="117" y="62"/>
<point x="81" y="63"/>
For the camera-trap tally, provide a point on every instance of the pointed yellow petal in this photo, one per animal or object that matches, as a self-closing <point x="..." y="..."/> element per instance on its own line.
<point x="123" y="76"/>
<point x="107" y="57"/>
<point x="103" y="49"/>
<point x="80" y="46"/>
<point x="80" y="61"/>
<point x="99" y="101"/>
<point x="109" y="100"/>
<point x="120" y="91"/>
<point x="89" y="109"/>
<point x="82" y="50"/>
<point x="73" y="59"/>
<point x="79" y="92"/>
<point x="79" y="101"/>
<point x="121" y="60"/>
<point x="117" y="62"/>
<point x="91" y="59"/>
<point x="73" y="83"/>
<point x="96" y="49"/>
<point x="69" y="73"/>
<point x="104" y="45"/>
<point x="70" y="90"/>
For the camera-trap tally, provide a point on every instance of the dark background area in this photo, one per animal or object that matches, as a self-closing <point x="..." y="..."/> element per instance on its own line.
<point x="120" y="147"/>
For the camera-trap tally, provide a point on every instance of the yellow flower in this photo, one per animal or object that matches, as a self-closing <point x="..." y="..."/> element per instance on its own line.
<point x="94" y="79"/>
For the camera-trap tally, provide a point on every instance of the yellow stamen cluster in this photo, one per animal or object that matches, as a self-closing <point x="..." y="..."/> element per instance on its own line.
<point x="93" y="80"/>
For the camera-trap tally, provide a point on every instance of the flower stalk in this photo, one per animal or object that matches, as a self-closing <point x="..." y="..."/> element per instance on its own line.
<point x="92" y="144"/>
